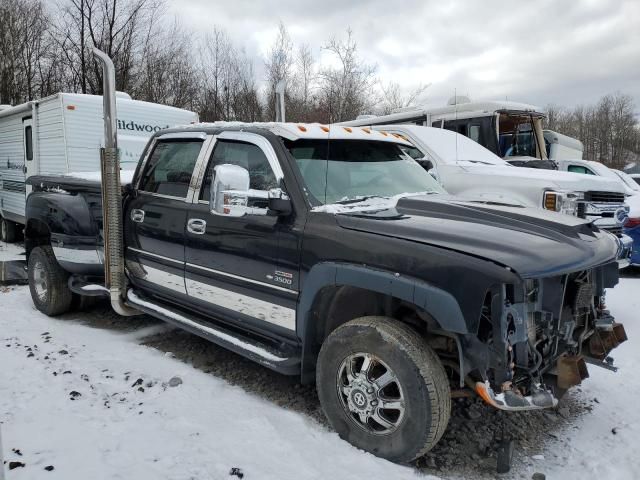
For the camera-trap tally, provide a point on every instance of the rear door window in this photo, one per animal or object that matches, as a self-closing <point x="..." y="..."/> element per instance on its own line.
<point x="580" y="169"/>
<point x="170" y="167"/>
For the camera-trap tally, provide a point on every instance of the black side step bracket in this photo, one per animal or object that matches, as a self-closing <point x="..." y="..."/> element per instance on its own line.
<point x="88" y="286"/>
<point x="248" y="347"/>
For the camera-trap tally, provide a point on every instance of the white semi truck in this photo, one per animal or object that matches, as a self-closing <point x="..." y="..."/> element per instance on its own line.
<point x="62" y="134"/>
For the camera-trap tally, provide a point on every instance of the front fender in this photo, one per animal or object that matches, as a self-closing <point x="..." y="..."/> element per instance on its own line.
<point x="440" y="304"/>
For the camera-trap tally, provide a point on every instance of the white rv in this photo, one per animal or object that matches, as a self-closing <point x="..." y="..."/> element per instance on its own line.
<point x="62" y="134"/>
<point x="510" y="130"/>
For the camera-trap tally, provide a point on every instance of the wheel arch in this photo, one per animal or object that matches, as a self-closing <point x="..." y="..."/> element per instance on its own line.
<point x="335" y="293"/>
<point x="36" y="233"/>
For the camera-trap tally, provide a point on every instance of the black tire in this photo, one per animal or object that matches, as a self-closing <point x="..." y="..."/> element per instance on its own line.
<point x="420" y="376"/>
<point x="48" y="282"/>
<point x="8" y="230"/>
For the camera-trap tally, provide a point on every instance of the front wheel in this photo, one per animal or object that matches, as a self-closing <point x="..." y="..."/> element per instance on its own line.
<point x="48" y="282"/>
<point x="383" y="388"/>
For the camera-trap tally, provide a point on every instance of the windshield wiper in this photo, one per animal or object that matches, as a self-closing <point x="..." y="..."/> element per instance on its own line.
<point x="347" y="201"/>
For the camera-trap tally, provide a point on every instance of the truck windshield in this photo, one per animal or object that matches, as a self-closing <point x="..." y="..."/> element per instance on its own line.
<point x="517" y="137"/>
<point x="338" y="171"/>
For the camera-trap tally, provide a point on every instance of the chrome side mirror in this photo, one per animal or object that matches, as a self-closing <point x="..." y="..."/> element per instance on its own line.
<point x="229" y="191"/>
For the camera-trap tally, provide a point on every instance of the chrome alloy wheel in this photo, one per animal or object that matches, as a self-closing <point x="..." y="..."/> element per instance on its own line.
<point x="40" y="281"/>
<point x="371" y="393"/>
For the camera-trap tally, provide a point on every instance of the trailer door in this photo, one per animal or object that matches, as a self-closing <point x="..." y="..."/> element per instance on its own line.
<point x="30" y="166"/>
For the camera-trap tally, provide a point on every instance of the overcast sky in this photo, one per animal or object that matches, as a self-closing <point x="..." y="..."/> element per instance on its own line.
<point x="544" y="51"/>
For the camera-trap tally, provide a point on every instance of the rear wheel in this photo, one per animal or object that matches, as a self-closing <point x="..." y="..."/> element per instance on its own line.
<point x="48" y="282"/>
<point x="383" y="388"/>
<point x="8" y="230"/>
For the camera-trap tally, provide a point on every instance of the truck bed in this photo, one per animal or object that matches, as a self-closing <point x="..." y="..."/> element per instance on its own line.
<point x="82" y="182"/>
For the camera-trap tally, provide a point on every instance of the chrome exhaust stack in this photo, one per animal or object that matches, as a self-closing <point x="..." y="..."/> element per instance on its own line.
<point x="114" y="277"/>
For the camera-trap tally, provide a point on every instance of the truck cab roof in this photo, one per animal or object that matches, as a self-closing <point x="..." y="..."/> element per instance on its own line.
<point x="294" y="131"/>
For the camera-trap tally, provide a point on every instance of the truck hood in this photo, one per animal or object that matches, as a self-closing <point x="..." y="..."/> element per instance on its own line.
<point x="532" y="242"/>
<point x="546" y="179"/>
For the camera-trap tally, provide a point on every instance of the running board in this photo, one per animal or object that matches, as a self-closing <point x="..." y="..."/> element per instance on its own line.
<point x="242" y="345"/>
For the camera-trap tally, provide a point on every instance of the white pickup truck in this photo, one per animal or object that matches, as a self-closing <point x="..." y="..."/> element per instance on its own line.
<point x="598" y="169"/>
<point x="465" y="168"/>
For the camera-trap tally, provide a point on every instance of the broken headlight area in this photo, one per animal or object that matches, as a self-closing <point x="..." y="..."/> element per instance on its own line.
<point x="534" y="339"/>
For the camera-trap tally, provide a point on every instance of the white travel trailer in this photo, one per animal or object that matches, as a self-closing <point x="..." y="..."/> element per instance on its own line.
<point x="62" y="134"/>
<point x="510" y="130"/>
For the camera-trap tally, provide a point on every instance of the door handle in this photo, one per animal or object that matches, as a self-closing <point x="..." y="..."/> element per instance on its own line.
<point x="137" y="215"/>
<point x="196" y="226"/>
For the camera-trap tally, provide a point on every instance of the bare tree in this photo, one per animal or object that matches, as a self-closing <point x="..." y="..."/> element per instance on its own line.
<point x="279" y="67"/>
<point x="301" y="102"/>
<point x="118" y="27"/>
<point x="228" y="85"/>
<point x="165" y="72"/>
<point x="394" y="98"/>
<point x="347" y="90"/>
<point x="608" y="129"/>
<point x="24" y="43"/>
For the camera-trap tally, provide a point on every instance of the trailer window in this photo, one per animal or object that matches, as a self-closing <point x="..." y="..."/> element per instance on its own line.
<point x="169" y="169"/>
<point x="28" y="142"/>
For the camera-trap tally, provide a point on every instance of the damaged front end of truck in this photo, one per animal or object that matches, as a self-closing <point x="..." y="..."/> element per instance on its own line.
<point x="536" y="338"/>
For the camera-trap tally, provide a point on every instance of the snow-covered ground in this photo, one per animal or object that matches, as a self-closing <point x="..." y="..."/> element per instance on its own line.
<point x="11" y="251"/>
<point x="90" y="400"/>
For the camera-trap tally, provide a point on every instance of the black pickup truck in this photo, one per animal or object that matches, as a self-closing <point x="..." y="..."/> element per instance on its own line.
<point x="328" y="253"/>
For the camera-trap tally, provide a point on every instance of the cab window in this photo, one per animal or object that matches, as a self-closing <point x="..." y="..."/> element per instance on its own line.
<point x="245" y="155"/>
<point x="474" y="133"/>
<point x="170" y="167"/>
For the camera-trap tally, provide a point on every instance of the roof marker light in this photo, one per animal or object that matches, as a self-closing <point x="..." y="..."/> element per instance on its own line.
<point x="71" y="107"/>
<point x="324" y="128"/>
<point x="348" y="129"/>
<point x="384" y="133"/>
<point x="302" y="128"/>
<point x="366" y="130"/>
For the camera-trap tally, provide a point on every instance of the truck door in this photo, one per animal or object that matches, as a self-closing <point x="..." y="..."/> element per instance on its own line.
<point x="30" y="158"/>
<point x="155" y="216"/>
<point x="233" y="268"/>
